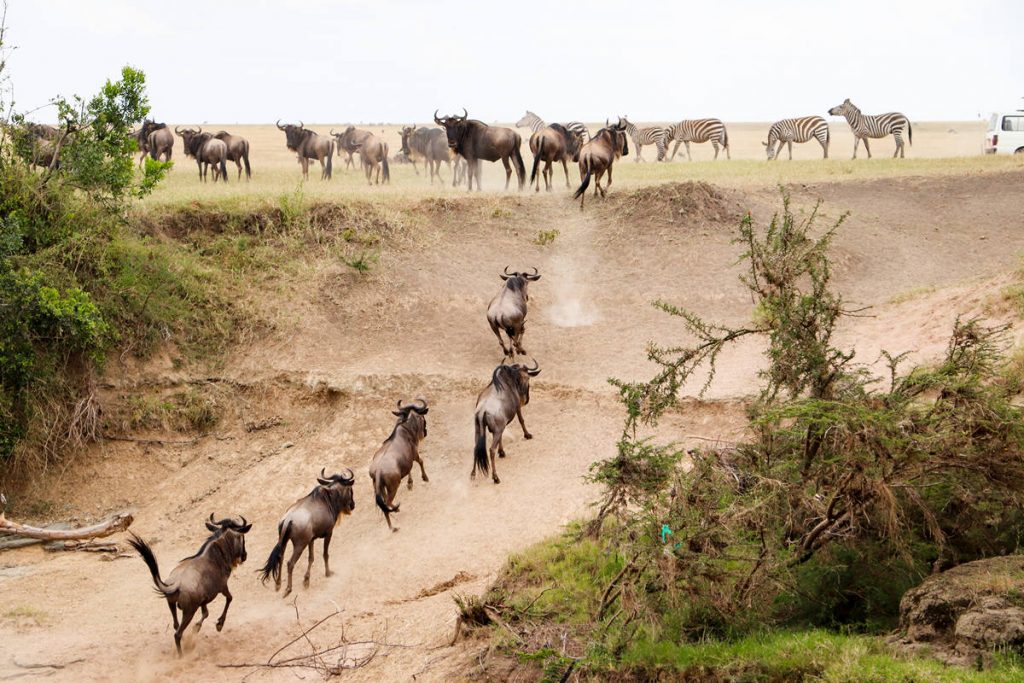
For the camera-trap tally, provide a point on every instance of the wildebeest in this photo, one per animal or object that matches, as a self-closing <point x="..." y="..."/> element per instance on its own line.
<point x="238" y="151"/>
<point x="507" y="310"/>
<point x="428" y="144"/>
<point x="502" y="400"/>
<point x="350" y="141"/>
<point x="550" y="144"/>
<point x="198" y="579"/>
<point x="308" y="145"/>
<point x="373" y="153"/>
<point x="159" y="140"/>
<point x="394" y="459"/>
<point x="206" y="150"/>
<point x="597" y="156"/>
<point x="309" y="518"/>
<point x="476" y="142"/>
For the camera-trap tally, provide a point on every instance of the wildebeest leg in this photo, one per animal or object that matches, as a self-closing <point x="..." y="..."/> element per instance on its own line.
<point x="522" y="423"/>
<point x="224" y="614"/>
<point x="508" y="171"/>
<point x="413" y="161"/>
<point x="174" y="614"/>
<point x="186" y="619"/>
<point x="609" y="183"/>
<point x="565" y="167"/>
<point x="204" y="613"/>
<point x="496" y="447"/>
<point x="327" y="547"/>
<point x="423" y="472"/>
<point x="309" y="565"/>
<point x="296" y="554"/>
<point x="501" y="342"/>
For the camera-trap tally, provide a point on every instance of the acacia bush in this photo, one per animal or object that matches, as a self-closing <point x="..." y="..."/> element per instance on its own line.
<point x="848" y="489"/>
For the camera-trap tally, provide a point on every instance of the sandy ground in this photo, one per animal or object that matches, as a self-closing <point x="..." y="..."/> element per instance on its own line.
<point x="919" y="250"/>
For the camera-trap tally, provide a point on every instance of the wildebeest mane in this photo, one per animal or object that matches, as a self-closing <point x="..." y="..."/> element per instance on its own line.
<point x="329" y="496"/>
<point x="516" y="283"/>
<point x="506" y="377"/>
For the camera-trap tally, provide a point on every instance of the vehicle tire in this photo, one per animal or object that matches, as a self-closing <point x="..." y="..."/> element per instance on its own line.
<point x="1019" y="150"/>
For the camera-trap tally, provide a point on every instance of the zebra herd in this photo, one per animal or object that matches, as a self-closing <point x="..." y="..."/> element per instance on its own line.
<point x="781" y="133"/>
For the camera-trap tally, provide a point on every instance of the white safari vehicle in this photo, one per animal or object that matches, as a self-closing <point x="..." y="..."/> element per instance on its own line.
<point x="1005" y="133"/>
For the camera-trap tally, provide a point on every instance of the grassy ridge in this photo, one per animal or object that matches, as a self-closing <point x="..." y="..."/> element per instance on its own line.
<point x="556" y="588"/>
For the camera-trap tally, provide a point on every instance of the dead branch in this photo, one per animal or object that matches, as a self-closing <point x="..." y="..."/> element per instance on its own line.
<point x="111" y="525"/>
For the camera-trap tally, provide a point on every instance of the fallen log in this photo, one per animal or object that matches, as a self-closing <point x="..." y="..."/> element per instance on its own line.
<point x="106" y="527"/>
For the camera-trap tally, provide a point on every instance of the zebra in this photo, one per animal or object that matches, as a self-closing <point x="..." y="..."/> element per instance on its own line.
<point x="535" y="123"/>
<point x="698" y="130"/>
<point x="654" y="135"/>
<point x="788" y="131"/>
<point x="879" y="126"/>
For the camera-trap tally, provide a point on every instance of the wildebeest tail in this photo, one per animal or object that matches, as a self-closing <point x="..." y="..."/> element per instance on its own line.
<point x="245" y="160"/>
<point x="387" y="170"/>
<point x="330" y="159"/>
<point x="536" y="159"/>
<point x="586" y="180"/>
<point x="224" y="168"/>
<point x="480" y="449"/>
<point x="520" y="166"/>
<point x="273" y="566"/>
<point x="146" y="553"/>
<point x="378" y="496"/>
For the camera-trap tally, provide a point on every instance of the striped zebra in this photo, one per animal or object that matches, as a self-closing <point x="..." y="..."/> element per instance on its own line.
<point x="879" y="126"/>
<point x="654" y="135"/>
<point x="535" y="123"/>
<point x="698" y="130"/>
<point x="788" y="131"/>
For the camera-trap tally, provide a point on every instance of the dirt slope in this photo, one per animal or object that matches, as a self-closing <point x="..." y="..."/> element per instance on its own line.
<point x="415" y="327"/>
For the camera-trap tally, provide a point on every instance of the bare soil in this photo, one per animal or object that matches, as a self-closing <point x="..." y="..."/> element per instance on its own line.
<point x="318" y="393"/>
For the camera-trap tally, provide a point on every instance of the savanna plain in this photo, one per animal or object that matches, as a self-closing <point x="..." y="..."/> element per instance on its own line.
<point x="338" y="298"/>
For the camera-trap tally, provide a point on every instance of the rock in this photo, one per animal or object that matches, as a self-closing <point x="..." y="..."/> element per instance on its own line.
<point x="964" y="613"/>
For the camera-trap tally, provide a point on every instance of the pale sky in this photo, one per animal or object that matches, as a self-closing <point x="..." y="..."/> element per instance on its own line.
<point x="252" y="61"/>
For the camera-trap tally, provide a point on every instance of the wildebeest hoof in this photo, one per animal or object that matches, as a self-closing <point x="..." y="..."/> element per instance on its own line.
<point x="394" y="529"/>
<point x="305" y="582"/>
<point x="527" y="435"/>
<point x="329" y="573"/>
<point x="220" y="626"/>
<point x="501" y="454"/>
<point x="496" y="480"/>
<point x="197" y="626"/>
<point x="286" y="593"/>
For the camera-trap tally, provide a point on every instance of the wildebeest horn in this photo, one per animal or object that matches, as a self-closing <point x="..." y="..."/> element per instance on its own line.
<point x="346" y="481"/>
<point x="332" y="132"/>
<point x="279" y="126"/>
<point x="534" y="276"/>
<point x="301" y="124"/>
<point x="177" y="129"/>
<point x="244" y="527"/>
<point x="211" y="525"/>
<point x="436" y="120"/>
<point x="323" y="479"/>
<point x="200" y="130"/>
<point x="420" y="406"/>
<point x="506" y="275"/>
<point x="465" y="114"/>
<point x="607" y="123"/>
<point x="535" y="370"/>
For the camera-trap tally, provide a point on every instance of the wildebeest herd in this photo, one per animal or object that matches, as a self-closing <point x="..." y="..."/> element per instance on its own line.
<point x="199" y="579"/>
<point x="463" y="144"/>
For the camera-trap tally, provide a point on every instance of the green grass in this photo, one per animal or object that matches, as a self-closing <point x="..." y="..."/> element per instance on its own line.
<point x="555" y="587"/>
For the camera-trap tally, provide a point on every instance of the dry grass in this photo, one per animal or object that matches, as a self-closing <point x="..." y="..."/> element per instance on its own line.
<point x="939" y="148"/>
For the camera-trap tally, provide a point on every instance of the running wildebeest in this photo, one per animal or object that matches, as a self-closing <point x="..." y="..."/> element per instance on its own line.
<point x="309" y="518"/>
<point x="507" y="310"/>
<point x="550" y="144"/>
<point x="597" y="156"/>
<point x="206" y="150"/>
<point x="198" y="579"/>
<point x="238" y="151"/>
<point x="159" y="140"/>
<point x="477" y="142"/>
<point x="502" y="400"/>
<point x="373" y="153"/>
<point x="350" y="141"/>
<point x="428" y="144"/>
<point x="394" y="459"/>
<point x="308" y="145"/>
